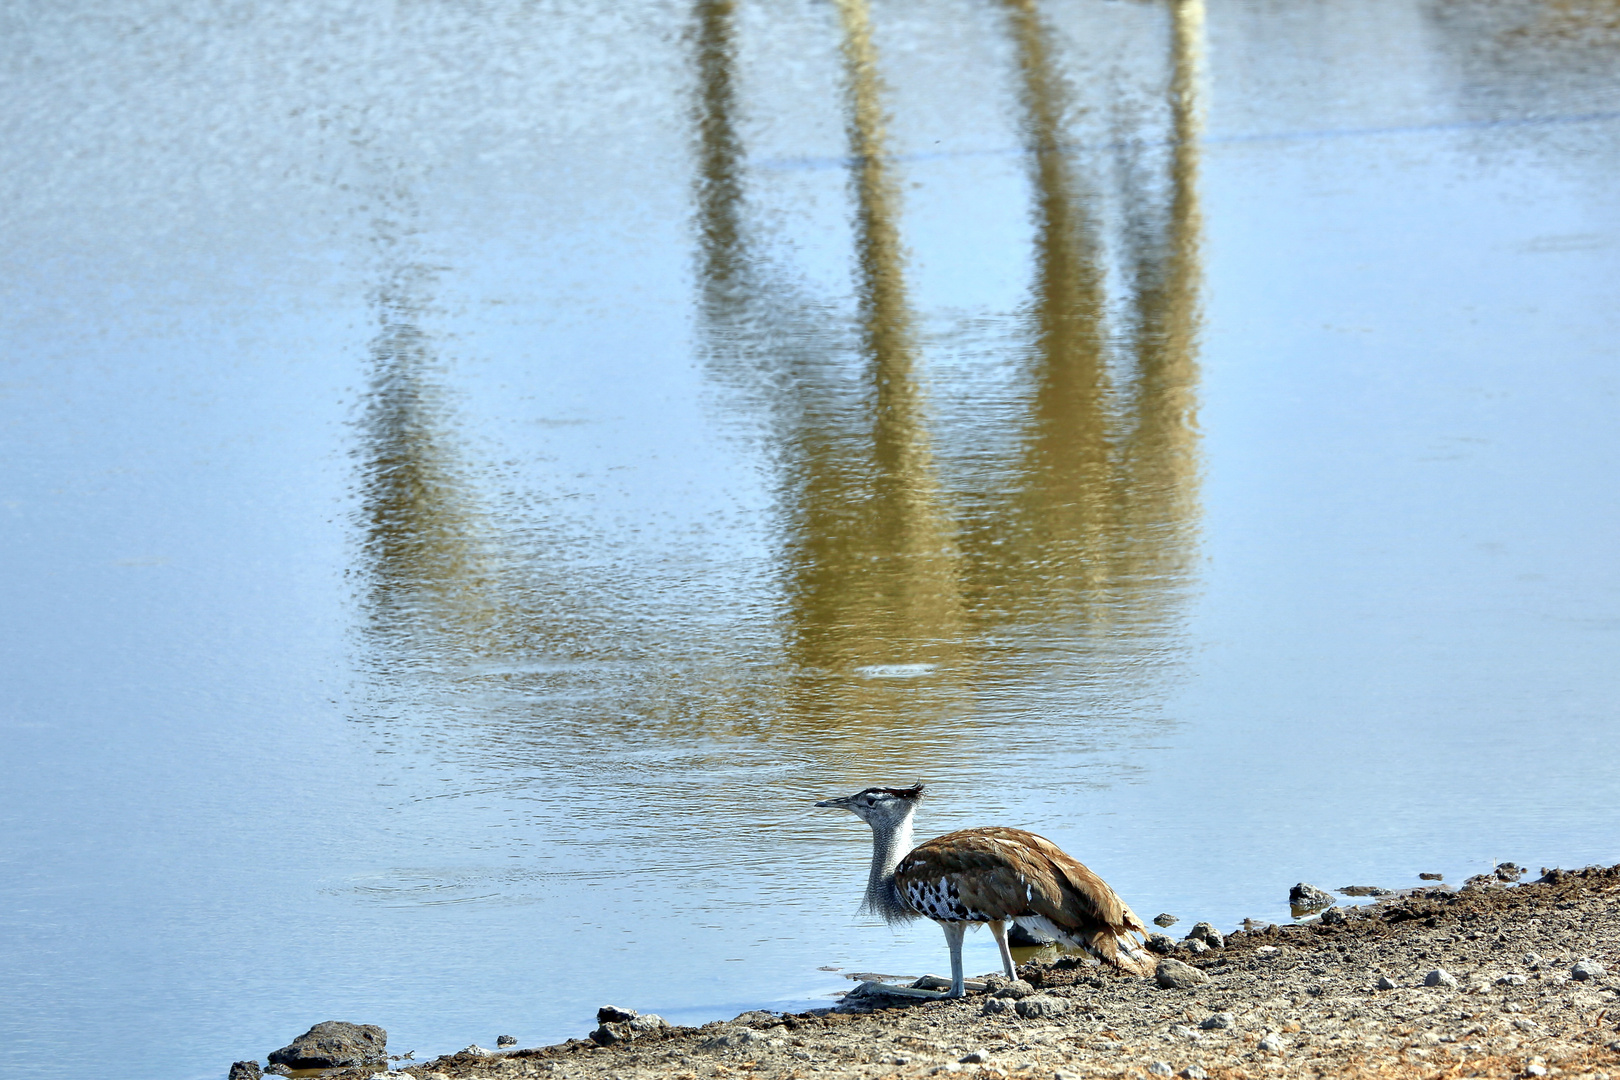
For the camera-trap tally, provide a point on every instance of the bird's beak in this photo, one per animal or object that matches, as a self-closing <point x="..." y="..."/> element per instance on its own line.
<point x="838" y="804"/>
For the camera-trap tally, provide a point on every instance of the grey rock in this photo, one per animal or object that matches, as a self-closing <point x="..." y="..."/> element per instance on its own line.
<point x="612" y="1033"/>
<point x="1534" y="960"/>
<point x="649" y="1022"/>
<point x="975" y="1057"/>
<point x="1018" y="988"/>
<point x="1194" y="1072"/>
<point x="244" y="1070"/>
<point x="1509" y="871"/>
<point x="1534" y="1069"/>
<point x="1182" y="1031"/>
<point x="1305" y="897"/>
<point x="334" y="1044"/>
<point x="1513" y="980"/>
<point x="1174" y="975"/>
<point x="727" y="1038"/>
<point x="612" y="1014"/>
<point x="277" y="1070"/>
<point x="1218" y="1022"/>
<point x="1431" y="877"/>
<point x="476" y="1051"/>
<point x="1386" y="983"/>
<point x="1161" y="1068"/>
<point x="1588" y="969"/>
<point x="1162" y="944"/>
<point x="1334" y="916"/>
<point x="1041" y="1006"/>
<point x="1615" y="1046"/>
<point x="1439" y="977"/>
<point x="1164" y="918"/>
<point x="1196" y="947"/>
<point x="1365" y="890"/>
<point x="1272" y="1043"/>
<point x="505" y="1040"/>
<point x="1207" y="934"/>
<point x="997" y="1007"/>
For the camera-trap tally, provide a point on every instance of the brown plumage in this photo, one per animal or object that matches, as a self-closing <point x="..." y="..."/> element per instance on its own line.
<point x="1000" y="874"/>
<point x="992" y="876"/>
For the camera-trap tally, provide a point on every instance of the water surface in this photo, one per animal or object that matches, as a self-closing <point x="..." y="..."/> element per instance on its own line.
<point x="476" y="475"/>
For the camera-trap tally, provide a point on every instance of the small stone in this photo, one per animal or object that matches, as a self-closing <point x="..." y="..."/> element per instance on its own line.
<point x="1268" y="952"/>
<point x="1218" y="1022"/>
<point x="1162" y="944"/>
<point x="1164" y="918"/>
<point x="334" y="1044"/>
<point x="1334" y="916"/>
<point x="1535" y="1070"/>
<point x="244" y="1070"/>
<point x="1207" y="934"/>
<point x="1533" y="960"/>
<point x="1431" y="877"/>
<point x="974" y="1057"/>
<point x="899" y="1059"/>
<point x="1018" y="988"/>
<point x="1364" y="890"/>
<point x="948" y="1068"/>
<point x="1588" y="969"/>
<point x="1440" y="977"/>
<point x="1196" y="947"/>
<point x="612" y="1014"/>
<point x="996" y="1007"/>
<point x="1174" y="975"/>
<point x="1308" y="898"/>
<point x="1194" y="1072"/>
<point x="1161" y="1068"/>
<point x="277" y="1070"/>
<point x="1182" y="1031"/>
<point x="505" y="1040"/>
<point x="477" y="1051"/>
<point x="1509" y="871"/>
<point x="1513" y="980"/>
<point x="1615" y="1046"/>
<point x="1041" y="1006"/>
<point x="1385" y="983"/>
<point x="612" y="1033"/>
<point x="1272" y="1043"/>
<point x="647" y="1022"/>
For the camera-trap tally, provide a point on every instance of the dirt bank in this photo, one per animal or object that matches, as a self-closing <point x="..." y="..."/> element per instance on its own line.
<point x="1276" y="1001"/>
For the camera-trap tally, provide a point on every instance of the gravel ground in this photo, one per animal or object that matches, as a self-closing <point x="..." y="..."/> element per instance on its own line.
<point x="1513" y="998"/>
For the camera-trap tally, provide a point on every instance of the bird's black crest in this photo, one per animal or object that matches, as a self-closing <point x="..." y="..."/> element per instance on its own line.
<point x="910" y="794"/>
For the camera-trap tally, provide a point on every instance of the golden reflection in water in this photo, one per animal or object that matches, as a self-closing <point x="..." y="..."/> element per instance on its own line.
<point x="430" y="589"/>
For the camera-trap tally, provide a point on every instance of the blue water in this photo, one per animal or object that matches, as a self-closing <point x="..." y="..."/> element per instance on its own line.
<point x="470" y="487"/>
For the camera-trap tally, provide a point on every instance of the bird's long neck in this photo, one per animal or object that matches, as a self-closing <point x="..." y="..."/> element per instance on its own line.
<point x="890" y="843"/>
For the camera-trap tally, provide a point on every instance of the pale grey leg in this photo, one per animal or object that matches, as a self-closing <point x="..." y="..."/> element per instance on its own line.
<point x="953" y="938"/>
<point x="999" y="929"/>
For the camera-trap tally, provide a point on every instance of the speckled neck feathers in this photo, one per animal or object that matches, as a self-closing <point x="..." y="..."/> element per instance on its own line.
<point x="891" y="842"/>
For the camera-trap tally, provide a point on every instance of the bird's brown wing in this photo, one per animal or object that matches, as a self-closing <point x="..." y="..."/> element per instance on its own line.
<point x="1004" y="873"/>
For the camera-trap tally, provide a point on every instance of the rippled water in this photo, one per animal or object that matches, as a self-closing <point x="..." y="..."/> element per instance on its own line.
<point x="476" y="474"/>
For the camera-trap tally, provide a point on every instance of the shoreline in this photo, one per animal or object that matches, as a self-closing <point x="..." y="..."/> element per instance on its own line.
<point x="1491" y="980"/>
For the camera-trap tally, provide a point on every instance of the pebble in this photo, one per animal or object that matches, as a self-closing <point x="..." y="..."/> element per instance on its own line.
<point x="1163" y="944"/>
<point x="996" y="1007"/>
<point x="245" y="1070"/>
<point x="1386" y="983"/>
<point x="1588" y="969"/>
<point x="505" y="1040"/>
<point x="1431" y="877"/>
<point x="1174" y="975"/>
<point x="1268" y="952"/>
<point x="1439" y="977"/>
<point x="1197" y="947"/>
<point x="1018" y="988"/>
<point x="1219" y="1021"/>
<point x="1207" y="934"/>
<point x="1164" y="918"/>
<point x="1041" y="1006"/>
<point x="1161" y="1068"/>
<point x="1195" y="1072"/>
<point x="1513" y="980"/>
<point x="1535" y="1070"/>
<point x="612" y="1014"/>
<point x="975" y="1057"/>
<point x="1365" y="890"/>
<point x="1272" y="1043"/>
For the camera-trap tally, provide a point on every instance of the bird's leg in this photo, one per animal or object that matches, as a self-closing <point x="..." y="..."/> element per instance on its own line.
<point x="953" y="938"/>
<point x="999" y="929"/>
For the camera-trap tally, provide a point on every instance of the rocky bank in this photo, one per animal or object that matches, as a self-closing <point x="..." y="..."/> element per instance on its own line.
<point x="1492" y="980"/>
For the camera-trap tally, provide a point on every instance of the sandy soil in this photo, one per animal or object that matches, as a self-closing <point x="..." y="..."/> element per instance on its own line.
<point x="1299" y="1000"/>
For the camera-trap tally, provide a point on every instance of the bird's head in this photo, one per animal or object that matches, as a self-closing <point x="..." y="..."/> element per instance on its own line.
<point x="879" y="805"/>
